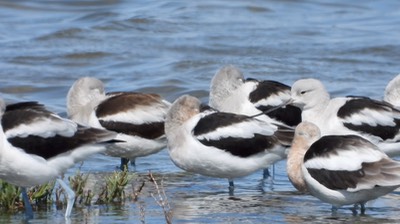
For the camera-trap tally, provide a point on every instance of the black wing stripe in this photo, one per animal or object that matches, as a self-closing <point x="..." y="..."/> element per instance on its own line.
<point x="213" y="121"/>
<point x="384" y="132"/>
<point x="122" y="102"/>
<point x="289" y="115"/>
<point x="330" y="145"/>
<point x="266" y="89"/>
<point x="359" y="103"/>
<point x="338" y="179"/>
<point x="22" y="113"/>
<point x="25" y="105"/>
<point x="50" y="147"/>
<point x="146" y="130"/>
<point x="243" y="147"/>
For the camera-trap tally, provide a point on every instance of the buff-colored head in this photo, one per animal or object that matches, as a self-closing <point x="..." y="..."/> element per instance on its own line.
<point x="307" y="132"/>
<point x="184" y="108"/>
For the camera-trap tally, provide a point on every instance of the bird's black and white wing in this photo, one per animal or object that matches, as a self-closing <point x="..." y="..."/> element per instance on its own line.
<point x="31" y="127"/>
<point x="350" y="163"/>
<point x="238" y="134"/>
<point x="32" y="118"/>
<point x="133" y="114"/>
<point x="371" y="117"/>
<point x="268" y="94"/>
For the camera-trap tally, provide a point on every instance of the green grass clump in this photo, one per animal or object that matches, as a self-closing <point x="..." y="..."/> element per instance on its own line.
<point x="109" y="188"/>
<point x="9" y="197"/>
<point x="41" y="195"/>
<point x="78" y="183"/>
<point x="114" y="189"/>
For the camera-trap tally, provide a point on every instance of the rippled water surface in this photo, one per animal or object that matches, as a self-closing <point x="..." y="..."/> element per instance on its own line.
<point x="175" y="47"/>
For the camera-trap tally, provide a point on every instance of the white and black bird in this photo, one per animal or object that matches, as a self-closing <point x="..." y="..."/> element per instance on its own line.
<point x="340" y="169"/>
<point x="374" y="120"/>
<point x="138" y="118"/>
<point x="37" y="146"/>
<point x="392" y="92"/>
<point x="219" y="144"/>
<point x="231" y="92"/>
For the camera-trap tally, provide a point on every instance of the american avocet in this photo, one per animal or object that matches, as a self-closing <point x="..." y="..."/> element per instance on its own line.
<point x="340" y="169"/>
<point x="375" y="120"/>
<point x="231" y="92"/>
<point x="138" y="118"/>
<point x="37" y="146"/>
<point x="219" y="144"/>
<point x="392" y="92"/>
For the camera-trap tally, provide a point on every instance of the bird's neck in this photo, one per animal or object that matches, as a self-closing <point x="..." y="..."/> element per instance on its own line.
<point x="316" y="111"/>
<point x="294" y="162"/>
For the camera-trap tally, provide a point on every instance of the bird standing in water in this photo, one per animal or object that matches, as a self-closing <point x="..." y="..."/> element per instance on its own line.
<point x="37" y="146"/>
<point x="340" y="169"/>
<point x="138" y="118"/>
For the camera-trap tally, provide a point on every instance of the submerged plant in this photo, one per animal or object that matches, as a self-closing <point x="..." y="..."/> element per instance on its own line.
<point x="137" y="192"/>
<point x="41" y="195"/>
<point x="10" y="196"/>
<point x="111" y="190"/>
<point x="114" y="191"/>
<point x="78" y="183"/>
<point x="161" y="199"/>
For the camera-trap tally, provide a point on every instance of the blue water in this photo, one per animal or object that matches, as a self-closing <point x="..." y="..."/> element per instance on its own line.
<point x="175" y="47"/>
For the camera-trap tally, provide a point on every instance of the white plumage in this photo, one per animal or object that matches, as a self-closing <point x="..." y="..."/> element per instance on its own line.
<point x="392" y="91"/>
<point x="37" y="146"/>
<point x="377" y="121"/>
<point x="217" y="144"/>
<point x="340" y="169"/>
<point x="138" y="118"/>
<point x="231" y="92"/>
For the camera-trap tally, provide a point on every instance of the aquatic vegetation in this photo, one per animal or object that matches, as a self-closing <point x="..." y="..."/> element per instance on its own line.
<point x="161" y="199"/>
<point x="137" y="192"/>
<point x="41" y="195"/>
<point x="114" y="191"/>
<point x="9" y="197"/>
<point x="116" y="185"/>
<point x="99" y="188"/>
<point x="78" y="183"/>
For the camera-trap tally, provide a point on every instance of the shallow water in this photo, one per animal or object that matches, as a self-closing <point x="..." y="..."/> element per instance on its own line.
<point x="175" y="47"/>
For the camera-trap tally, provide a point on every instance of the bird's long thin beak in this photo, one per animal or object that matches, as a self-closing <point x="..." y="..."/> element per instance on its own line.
<point x="274" y="108"/>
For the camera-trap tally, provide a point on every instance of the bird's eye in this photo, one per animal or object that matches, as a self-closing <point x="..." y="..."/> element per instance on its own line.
<point x="303" y="92"/>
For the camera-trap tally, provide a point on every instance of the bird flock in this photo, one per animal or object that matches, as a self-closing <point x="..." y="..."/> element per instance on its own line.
<point x="337" y="149"/>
